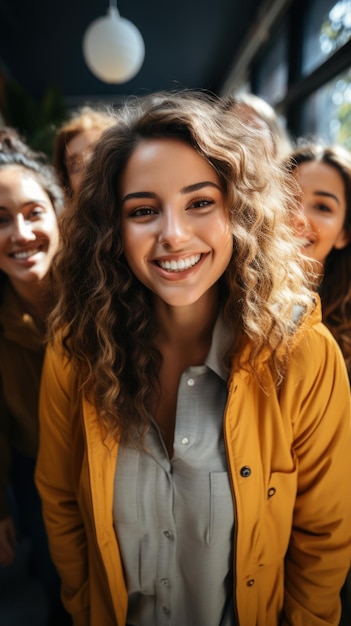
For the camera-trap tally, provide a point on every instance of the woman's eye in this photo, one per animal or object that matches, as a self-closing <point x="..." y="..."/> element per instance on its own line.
<point x="142" y="212"/>
<point x="76" y="168"/>
<point x="323" y="208"/>
<point x="36" y="212"/>
<point x="3" y="220"/>
<point x="200" y="204"/>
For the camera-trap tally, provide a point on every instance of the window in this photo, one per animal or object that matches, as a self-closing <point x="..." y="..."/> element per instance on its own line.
<point x="304" y="71"/>
<point x="271" y="77"/>
<point x="326" y="114"/>
<point x="327" y="27"/>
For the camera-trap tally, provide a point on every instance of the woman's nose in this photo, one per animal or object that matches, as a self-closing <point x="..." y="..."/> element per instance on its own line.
<point x="173" y="229"/>
<point x="300" y="221"/>
<point x="22" y="230"/>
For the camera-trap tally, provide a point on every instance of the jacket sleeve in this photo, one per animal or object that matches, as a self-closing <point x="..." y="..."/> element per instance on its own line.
<point x="56" y="485"/>
<point x="5" y="455"/>
<point x="319" y="552"/>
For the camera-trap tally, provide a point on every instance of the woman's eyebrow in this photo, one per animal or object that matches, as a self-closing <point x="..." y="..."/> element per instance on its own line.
<point x="327" y="194"/>
<point x="197" y="186"/>
<point x="27" y="203"/>
<point x="139" y="194"/>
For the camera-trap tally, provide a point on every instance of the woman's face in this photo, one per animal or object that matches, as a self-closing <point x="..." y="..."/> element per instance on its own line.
<point x="29" y="234"/>
<point x="324" y="209"/>
<point x="78" y="154"/>
<point x="175" y="225"/>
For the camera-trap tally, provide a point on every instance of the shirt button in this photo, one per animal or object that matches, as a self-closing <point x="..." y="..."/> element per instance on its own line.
<point x="245" y="471"/>
<point x="168" y="534"/>
<point x="184" y="441"/>
<point x="190" y="382"/>
<point x="165" y="610"/>
<point x="165" y="582"/>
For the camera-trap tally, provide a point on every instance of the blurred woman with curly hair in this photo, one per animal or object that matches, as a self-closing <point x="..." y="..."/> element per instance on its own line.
<point x="324" y="176"/>
<point x="194" y="411"/>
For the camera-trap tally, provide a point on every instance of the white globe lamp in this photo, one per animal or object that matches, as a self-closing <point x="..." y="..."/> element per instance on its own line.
<point x="113" y="48"/>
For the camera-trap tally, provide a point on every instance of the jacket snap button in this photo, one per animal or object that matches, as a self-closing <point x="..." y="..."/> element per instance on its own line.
<point x="250" y="582"/>
<point x="245" y="471"/>
<point x="271" y="492"/>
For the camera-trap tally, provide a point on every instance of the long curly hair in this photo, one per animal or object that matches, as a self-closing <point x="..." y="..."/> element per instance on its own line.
<point x="104" y="316"/>
<point x="335" y="287"/>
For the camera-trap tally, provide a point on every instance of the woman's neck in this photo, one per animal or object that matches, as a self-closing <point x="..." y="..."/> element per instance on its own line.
<point x="35" y="299"/>
<point x="187" y="328"/>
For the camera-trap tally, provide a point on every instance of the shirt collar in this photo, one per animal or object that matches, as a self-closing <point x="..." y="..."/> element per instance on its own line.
<point x="219" y="346"/>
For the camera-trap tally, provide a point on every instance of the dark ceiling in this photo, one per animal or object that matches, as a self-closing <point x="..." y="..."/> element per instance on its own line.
<point x="189" y="43"/>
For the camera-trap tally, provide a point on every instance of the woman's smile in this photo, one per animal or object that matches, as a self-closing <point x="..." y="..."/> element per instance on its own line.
<point x="179" y="265"/>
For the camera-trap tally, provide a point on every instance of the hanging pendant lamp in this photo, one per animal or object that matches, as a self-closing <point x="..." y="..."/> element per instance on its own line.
<point x="113" y="47"/>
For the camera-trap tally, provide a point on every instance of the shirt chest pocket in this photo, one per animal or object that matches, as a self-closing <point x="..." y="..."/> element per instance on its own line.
<point x="221" y="508"/>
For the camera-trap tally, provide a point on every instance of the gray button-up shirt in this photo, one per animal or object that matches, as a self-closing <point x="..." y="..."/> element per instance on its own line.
<point x="174" y="517"/>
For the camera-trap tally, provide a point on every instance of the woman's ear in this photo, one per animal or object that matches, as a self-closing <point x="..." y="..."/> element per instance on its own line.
<point x="343" y="240"/>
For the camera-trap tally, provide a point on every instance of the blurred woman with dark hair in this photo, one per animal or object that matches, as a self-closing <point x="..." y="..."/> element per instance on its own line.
<point x="30" y="201"/>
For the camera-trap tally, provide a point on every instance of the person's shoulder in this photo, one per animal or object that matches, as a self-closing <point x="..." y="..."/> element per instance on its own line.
<point x="312" y="324"/>
<point x="60" y="376"/>
<point x="57" y="358"/>
<point x="314" y="347"/>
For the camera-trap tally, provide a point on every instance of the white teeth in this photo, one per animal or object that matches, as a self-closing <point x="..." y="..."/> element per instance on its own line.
<point x="25" y="255"/>
<point x="181" y="265"/>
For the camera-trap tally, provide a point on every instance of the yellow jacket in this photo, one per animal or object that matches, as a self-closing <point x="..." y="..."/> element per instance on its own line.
<point x="289" y="458"/>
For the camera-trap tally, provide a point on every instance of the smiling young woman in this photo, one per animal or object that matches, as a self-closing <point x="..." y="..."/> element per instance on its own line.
<point x="324" y="176"/>
<point x="195" y="414"/>
<point x="28" y="233"/>
<point x="324" y="225"/>
<point x="30" y="200"/>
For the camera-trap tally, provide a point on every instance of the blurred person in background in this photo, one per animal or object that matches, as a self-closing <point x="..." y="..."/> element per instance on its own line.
<point x="324" y="176"/>
<point x="260" y="115"/>
<point x="74" y="143"/>
<point x="30" y="201"/>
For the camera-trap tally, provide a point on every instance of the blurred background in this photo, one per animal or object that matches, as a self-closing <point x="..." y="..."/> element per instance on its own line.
<point x="296" y="54"/>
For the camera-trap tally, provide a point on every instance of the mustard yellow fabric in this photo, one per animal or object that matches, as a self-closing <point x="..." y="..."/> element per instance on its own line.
<point x="289" y="458"/>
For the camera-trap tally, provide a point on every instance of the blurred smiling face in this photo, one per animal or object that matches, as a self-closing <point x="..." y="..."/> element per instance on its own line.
<point x="323" y="208"/>
<point x="29" y="234"/>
